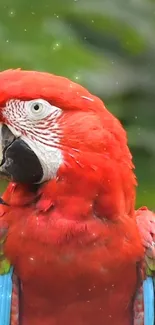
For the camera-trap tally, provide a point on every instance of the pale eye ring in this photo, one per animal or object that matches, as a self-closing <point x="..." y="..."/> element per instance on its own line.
<point x="38" y="109"/>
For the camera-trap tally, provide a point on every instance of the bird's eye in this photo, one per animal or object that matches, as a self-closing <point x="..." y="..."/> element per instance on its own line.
<point x="37" y="107"/>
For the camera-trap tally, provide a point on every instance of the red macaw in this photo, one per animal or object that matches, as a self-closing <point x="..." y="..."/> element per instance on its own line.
<point x="72" y="233"/>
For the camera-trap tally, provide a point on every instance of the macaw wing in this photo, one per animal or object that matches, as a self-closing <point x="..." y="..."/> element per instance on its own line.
<point x="146" y="224"/>
<point x="144" y="304"/>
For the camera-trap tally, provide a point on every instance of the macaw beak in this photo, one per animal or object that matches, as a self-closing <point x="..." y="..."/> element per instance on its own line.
<point x="19" y="163"/>
<point x="7" y="138"/>
<point x="3" y="202"/>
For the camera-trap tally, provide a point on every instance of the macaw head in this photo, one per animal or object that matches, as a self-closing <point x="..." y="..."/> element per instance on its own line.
<point x="52" y="128"/>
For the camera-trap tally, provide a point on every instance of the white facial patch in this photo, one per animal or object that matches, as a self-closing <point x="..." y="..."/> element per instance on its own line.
<point x="36" y="123"/>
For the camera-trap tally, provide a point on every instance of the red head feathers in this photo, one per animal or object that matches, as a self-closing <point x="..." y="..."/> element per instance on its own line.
<point x="89" y="144"/>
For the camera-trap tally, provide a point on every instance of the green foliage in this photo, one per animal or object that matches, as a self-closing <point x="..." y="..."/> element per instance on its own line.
<point x="108" y="46"/>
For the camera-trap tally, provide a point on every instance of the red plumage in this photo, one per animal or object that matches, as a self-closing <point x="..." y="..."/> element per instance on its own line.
<point x="74" y="240"/>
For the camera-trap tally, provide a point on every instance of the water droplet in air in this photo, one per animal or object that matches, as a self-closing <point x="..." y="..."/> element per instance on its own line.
<point x="56" y="46"/>
<point x="12" y="13"/>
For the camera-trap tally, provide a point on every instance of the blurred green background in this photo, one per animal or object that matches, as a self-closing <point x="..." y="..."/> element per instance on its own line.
<point x="106" y="45"/>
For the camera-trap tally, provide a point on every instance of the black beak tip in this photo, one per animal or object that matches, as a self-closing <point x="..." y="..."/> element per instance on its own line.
<point x="3" y="202"/>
